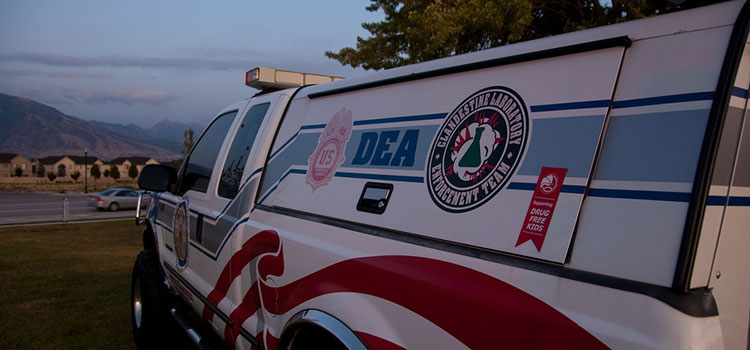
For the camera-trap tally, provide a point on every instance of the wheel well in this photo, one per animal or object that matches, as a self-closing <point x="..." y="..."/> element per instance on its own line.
<point x="315" y="329"/>
<point x="149" y="242"/>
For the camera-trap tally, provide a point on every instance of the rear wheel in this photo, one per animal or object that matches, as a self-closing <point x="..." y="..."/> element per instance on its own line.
<point x="148" y="301"/>
<point x="114" y="207"/>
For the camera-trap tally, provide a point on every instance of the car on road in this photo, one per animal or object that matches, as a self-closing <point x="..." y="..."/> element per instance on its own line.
<point x="114" y="199"/>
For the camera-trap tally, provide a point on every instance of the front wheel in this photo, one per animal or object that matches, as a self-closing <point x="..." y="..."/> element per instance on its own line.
<point x="147" y="300"/>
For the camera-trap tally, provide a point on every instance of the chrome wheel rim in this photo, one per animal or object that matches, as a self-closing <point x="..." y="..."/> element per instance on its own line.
<point x="137" y="305"/>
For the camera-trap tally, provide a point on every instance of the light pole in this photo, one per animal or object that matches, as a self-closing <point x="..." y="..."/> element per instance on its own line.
<point x="86" y="170"/>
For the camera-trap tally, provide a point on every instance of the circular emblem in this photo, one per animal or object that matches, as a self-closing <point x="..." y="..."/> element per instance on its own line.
<point x="549" y="183"/>
<point x="324" y="160"/>
<point x="477" y="149"/>
<point x="180" y="230"/>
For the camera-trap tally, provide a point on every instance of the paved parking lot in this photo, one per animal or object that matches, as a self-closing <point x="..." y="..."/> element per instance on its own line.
<point x="35" y="207"/>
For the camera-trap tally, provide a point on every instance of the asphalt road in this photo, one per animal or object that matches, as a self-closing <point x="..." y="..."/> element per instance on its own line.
<point x="35" y="207"/>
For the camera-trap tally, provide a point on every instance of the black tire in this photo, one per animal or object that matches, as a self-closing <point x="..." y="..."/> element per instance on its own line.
<point x="114" y="206"/>
<point x="147" y="292"/>
<point x="310" y="338"/>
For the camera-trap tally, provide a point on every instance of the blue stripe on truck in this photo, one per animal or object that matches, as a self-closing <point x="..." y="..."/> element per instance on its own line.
<point x="658" y="100"/>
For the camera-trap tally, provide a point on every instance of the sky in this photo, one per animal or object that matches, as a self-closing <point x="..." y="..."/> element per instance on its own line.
<point x="143" y="61"/>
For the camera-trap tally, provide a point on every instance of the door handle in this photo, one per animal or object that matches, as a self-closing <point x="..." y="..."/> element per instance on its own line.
<point x="199" y="229"/>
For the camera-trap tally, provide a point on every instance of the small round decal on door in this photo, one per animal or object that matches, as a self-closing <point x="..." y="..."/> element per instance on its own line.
<point x="477" y="149"/>
<point x="181" y="232"/>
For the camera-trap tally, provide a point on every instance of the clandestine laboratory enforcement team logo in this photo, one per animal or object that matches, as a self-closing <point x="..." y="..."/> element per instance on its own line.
<point x="329" y="154"/>
<point x="477" y="149"/>
<point x="181" y="232"/>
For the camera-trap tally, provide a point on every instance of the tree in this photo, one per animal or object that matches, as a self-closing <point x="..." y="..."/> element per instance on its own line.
<point x="61" y="170"/>
<point x="95" y="172"/>
<point x="188" y="143"/>
<point x="75" y="175"/>
<point x="106" y="172"/>
<point x="19" y="172"/>
<point x="133" y="171"/>
<point x="421" y="30"/>
<point x="557" y="17"/>
<point x="51" y="176"/>
<point x="114" y="172"/>
<point x="40" y="172"/>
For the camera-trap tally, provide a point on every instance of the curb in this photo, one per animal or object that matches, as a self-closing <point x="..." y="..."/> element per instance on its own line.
<point x="123" y="218"/>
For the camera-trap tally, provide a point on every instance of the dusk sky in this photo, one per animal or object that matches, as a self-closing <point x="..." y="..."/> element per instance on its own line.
<point x="143" y="61"/>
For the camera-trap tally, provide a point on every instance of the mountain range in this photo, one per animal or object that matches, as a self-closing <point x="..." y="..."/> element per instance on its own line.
<point x="166" y="133"/>
<point x="35" y="130"/>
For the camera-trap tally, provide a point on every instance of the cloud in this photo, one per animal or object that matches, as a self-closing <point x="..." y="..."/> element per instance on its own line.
<point x="188" y="63"/>
<point x="127" y="96"/>
<point x="63" y="74"/>
<point x="45" y="95"/>
<point x="223" y="51"/>
<point x="122" y="95"/>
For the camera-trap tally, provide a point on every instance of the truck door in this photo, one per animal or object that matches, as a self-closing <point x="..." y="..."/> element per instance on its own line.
<point x="192" y="209"/>
<point x="239" y="172"/>
<point x="215" y="183"/>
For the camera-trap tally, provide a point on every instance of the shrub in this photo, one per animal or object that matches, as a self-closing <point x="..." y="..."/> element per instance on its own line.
<point x="114" y="172"/>
<point x="95" y="172"/>
<point x="133" y="171"/>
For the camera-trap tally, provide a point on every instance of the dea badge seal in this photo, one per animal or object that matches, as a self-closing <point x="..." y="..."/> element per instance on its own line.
<point x="477" y="149"/>
<point x="181" y="233"/>
<point x="329" y="154"/>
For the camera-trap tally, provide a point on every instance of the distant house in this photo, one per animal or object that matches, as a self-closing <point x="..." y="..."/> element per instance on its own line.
<point x="123" y="164"/>
<point x="9" y="162"/>
<point x="53" y="163"/>
<point x="71" y="163"/>
<point x="83" y="164"/>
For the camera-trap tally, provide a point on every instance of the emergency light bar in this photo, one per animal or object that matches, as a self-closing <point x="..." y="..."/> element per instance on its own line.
<point x="263" y="78"/>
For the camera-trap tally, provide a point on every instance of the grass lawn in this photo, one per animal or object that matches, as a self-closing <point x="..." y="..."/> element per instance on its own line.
<point x="67" y="288"/>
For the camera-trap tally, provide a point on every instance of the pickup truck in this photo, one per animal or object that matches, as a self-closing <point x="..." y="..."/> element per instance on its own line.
<point x="589" y="190"/>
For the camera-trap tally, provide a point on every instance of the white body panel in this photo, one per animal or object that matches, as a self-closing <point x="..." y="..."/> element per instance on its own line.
<point x="620" y="123"/>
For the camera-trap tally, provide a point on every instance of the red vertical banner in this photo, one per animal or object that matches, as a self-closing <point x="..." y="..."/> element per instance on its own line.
<point x="542" y="206"/>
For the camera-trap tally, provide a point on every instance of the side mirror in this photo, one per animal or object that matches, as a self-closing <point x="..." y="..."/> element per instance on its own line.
<point x="141" y="201"/>
<point x="157" y="178"/>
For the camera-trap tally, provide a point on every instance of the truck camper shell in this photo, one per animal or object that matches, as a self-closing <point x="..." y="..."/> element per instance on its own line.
<point x="602" y="176"/>
<point x="634" y="71"/>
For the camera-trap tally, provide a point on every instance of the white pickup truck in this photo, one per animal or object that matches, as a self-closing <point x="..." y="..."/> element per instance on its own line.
<point x="584" y="191"/>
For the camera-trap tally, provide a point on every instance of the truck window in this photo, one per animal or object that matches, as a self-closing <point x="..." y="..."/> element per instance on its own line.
<point x="201" y="160"/>
<point x="234" y="166"/>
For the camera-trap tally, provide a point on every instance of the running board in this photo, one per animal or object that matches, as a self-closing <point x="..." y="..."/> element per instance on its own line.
<point x="204" y="340"/>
